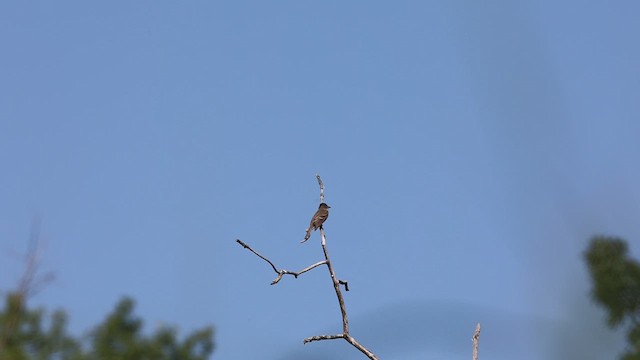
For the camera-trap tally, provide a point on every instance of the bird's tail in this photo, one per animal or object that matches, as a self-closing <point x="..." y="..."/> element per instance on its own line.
<point x="306" y="237"/>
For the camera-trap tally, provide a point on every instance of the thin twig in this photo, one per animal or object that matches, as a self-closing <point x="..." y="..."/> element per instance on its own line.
<point x="255" y="252"/>
<point x="476" y="339"/>
<point x="345" y="283"/>
<point x="323" y="337"/>
<point x="282" y="272"/>
<point x="31" y="282"/>
<point x="321" y="188"/>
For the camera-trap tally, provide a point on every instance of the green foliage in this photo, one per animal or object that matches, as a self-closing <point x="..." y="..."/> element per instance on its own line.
<point x="616" y="287"/>
<point x="25" y="335"/>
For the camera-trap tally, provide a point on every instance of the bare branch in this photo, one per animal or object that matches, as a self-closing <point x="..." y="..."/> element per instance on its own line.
<point x="476" y="339"/>
<point x="282" y="272"/>
<point x="348" y="338"/>
<point x="321" y="187"/>
<point x="343" y="309"/>
<point x="322" y="262"/>
<point x="336" y="286"/>
<point x="31" y="282"/>
<point x="323" y="337"/>
<point x="359" y="346"/>
<point x="260" y="256"/>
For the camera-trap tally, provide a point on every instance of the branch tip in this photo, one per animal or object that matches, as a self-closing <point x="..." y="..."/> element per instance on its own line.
<point x="476" y="339"/>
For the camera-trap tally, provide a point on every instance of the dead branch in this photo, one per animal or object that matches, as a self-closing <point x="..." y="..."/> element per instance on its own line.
<point x="31" y="281"/>
<point x="343" y="309"/>
<point x="321" y="184"/>
<point x="336" y="286"/>
<point x="29" y="284"/>
<point x="282" y="272"/>
<point x="476" y="339"/>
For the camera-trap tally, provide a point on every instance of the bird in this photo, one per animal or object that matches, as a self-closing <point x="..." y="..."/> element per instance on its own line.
<point x="316" y="221"/>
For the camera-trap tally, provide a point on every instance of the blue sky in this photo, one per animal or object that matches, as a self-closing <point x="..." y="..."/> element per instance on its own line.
<point x="469" y="150"/>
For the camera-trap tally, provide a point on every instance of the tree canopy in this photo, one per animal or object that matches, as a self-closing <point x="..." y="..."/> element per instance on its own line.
<point x="28" y="334"/>
<point x="616" y="287"/>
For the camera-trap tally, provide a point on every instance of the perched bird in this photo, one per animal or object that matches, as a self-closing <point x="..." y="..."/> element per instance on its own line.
<point x="318" y="218"/>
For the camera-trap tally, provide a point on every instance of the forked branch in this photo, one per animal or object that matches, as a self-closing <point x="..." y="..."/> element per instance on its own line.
<point x="336" y="286"/>
<point x="281" y="272"/>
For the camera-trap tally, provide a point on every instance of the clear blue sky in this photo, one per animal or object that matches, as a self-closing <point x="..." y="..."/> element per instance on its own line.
<point x="468" y="151"/>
